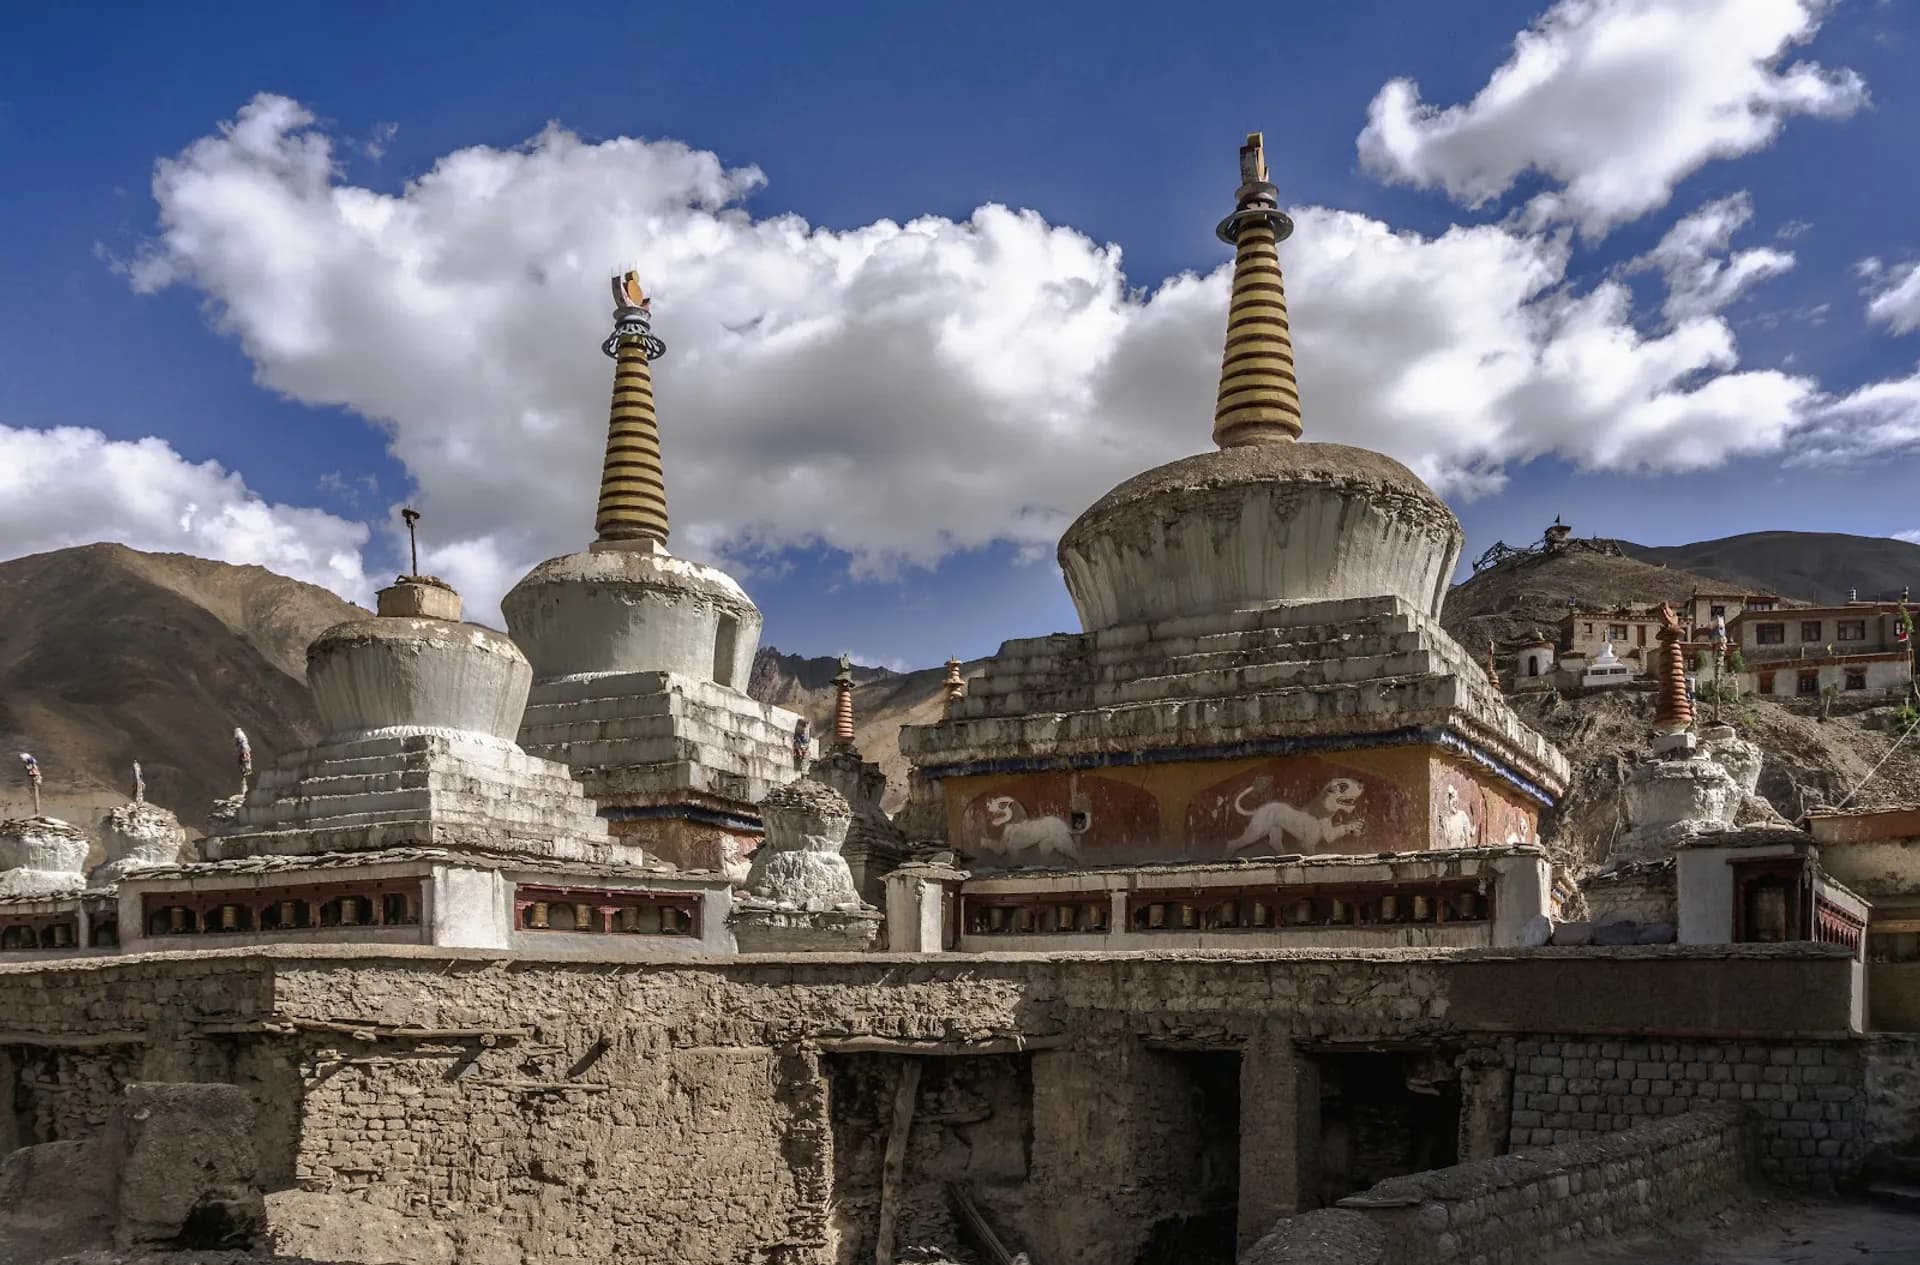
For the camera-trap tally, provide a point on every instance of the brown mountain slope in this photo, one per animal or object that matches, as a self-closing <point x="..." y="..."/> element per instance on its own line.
<point x="109" y="655"/>
<point x="1524" y="598"/>
<point x="1818" y="566"/>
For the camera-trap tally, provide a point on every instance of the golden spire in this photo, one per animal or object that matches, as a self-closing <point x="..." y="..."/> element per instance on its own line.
<point x="633" y="491"/>
<point x="1259" y="398"/>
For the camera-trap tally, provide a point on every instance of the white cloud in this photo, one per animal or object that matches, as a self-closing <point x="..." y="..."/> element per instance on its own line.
<point x="1893" y="294"/>
<point x="72" y="486"/>
<point x="898" y="391"/>
<point x="1693" y="259"/>
<point x="1877" y="420"/>
<point x="1613" y="102"/>
<point x="1911" y="537"/>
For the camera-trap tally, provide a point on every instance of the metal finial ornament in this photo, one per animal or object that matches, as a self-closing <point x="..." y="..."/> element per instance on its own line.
<point x="139" y="784"/>
<point x="633" y="488"/>
<point x="243" y="755"/>
<point x="32" y="767"/>
<point x="1259" y="400"/>
<point x="411" y="516"/>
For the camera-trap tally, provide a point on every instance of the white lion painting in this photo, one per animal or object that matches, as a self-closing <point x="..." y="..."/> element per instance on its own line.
<point x="1024" y="838"/>
<point x="1311" y="828"/>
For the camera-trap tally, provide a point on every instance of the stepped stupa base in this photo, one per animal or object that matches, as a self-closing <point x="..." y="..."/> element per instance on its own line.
<point x="675" y="763"/>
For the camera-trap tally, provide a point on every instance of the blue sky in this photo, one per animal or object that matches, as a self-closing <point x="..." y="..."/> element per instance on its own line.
<point x="882" y="428"/>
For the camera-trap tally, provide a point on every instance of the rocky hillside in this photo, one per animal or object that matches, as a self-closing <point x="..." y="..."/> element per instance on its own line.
<point x="1817" y="566"/>
<point x="109" y="655"/>
<point x="1809" y="760"/>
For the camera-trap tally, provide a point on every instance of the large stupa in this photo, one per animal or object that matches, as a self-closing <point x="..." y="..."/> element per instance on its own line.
<point x="641" y="659"/>
<point x="1261" y="670"/>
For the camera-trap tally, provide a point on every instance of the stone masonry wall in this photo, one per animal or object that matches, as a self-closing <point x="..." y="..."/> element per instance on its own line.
<point x="420" y="1104"/>
<point x="1805" y="1097"/>
<point x="1516" y="1207"/>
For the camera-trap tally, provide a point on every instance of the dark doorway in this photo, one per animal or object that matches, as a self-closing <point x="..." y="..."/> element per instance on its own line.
<point x="1203" y="1148"/>
<point x="1385" y="1115"/>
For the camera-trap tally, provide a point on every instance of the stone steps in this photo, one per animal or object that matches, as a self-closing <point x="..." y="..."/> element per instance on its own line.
<point x="639" y="685"/>
<point x="774" y="766"/>
<point x="456" y="780"/>
<point x="1252" y="678"/>
<point x="1094" y="650"/>
<point x="667" y="714"/>
<point x="1344" y="614"/>
<point x="997" y="681"/>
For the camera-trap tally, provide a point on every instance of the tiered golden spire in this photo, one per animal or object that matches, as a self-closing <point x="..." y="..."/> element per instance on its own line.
<point x="1259" y="399"/>
<point x="633" y="491"/>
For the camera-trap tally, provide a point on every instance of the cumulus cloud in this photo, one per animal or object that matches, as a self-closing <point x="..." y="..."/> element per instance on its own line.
<point x="1893" y="294"/>
<point x="1613" y="102"/>
<point x="1701" y="276"/>
<point x="897" y="391"/>
<point x="1877" y="420"/>
<point x="72" y="486"/>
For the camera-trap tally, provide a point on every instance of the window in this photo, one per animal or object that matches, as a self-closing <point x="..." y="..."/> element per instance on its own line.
<point x="1759" y="606"/>
<point x="1810" y="630"/>
<point x="1809" y="683"/>
<point x="1717" y="611"/>
<point x="726" y="633"/>
<point x="1616" y="632"/>
<point x="1856" y="680"/>
<point x="1766" y="682"/>
<point x="1533" y="666"/>
<point x="1769" y="634"/>
<point x="1850" y="630"/>
<point x="1589" y="630"/>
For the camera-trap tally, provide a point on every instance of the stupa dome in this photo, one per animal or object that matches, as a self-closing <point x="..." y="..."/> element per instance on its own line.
<point x="1255" y="524"/>
<point x="400" y="674"/>
<point x="620" y="608"/>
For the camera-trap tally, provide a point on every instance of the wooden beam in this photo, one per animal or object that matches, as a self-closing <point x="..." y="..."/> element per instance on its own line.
<point x="72" y="1040"/>
<point x="902" y="1045"/>
<point x="976" y="1224"/>
<point x="893" y="1172"/>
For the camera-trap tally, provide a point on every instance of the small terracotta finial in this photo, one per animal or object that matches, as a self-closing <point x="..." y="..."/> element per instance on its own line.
<point x="633" y="489"/>
<point x="1672" y="705"/>
<point x="955" y="687"/>
<point x="32" y="766"/>
<point x="1259" y="401"/>
<point x="1493" y="667"/>
<point x="843" y="704"/>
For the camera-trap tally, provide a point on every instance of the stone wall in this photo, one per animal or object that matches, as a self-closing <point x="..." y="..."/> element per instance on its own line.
<point x="1514" y="1208"/>
<point x="418" y="1104"/>
<point x="1805" y="1097"/>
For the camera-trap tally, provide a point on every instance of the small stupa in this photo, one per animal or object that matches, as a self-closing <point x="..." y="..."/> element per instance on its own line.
<point x="417" y="819"/>
<point x="138" y="834"/>
<point x="1261" y="671"/>
<point x="40" y="855"/>
<point x="799" y="894"/>
<point x="641" y="659"/>
<point x="874" y="845"/>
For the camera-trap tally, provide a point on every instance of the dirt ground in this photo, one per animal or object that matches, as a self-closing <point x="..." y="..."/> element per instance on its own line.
<point x="1769" y="1232"/>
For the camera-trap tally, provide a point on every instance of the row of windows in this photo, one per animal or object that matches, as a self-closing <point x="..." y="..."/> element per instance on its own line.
<point x="1088" y="913"/>
<point x="1810" y="630"/>
<point x="1808" y="682"/>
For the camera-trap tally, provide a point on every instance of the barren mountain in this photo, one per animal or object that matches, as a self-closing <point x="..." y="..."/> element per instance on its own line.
<point x="1818" y="566"/>
<point x="109" y="655"/>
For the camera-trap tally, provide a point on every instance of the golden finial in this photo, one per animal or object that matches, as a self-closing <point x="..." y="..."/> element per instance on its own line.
<point x="1259" y="401"/>
<point x="633" y="490"/>
<point x="955" y="687"/>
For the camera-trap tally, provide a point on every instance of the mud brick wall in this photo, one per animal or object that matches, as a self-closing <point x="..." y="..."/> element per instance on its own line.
<point x="1511" y="1209"/>
<point x="1806" y="1097"/>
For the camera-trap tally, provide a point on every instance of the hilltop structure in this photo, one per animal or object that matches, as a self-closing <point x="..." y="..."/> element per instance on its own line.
<point x="1261" y="675"/>
<point x="640" y="659"/>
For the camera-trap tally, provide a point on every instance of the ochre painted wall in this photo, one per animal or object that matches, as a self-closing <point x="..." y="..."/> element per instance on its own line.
<point x="1358" y="802"/>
